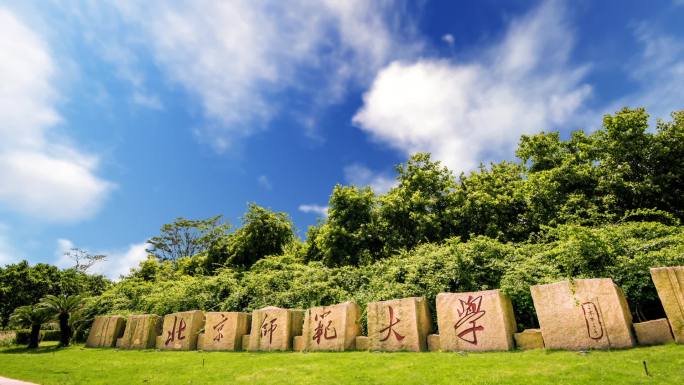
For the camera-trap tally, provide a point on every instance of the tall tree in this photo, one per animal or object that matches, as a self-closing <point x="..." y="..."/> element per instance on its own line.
<point x="186" y="237"/>
<point x="62" y="306"/>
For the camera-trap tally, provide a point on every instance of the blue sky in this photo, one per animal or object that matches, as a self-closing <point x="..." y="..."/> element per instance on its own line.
<point x="116" y="117"/>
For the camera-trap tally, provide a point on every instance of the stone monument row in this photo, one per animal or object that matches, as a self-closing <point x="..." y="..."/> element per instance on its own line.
<point x="575" y="315"/>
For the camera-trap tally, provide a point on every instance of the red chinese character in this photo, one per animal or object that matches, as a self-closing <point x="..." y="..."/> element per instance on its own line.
<point x="219" y="328"/>
<point x="470" y="312"/>
<point x="390" y="329"/>
<point x="322" y="331"/>
<point x="268" y="328"/>
<point x="173" y="334"/>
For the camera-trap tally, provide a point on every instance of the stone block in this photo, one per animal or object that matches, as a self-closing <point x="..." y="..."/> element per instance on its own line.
<point x="141" y="332"/>
<point x="245" y="341"/>
<point x="362" y="343"/>
<point x="332" y="328"/>
<point x="105" y="331"/>
<point x="399" y="325"/>
<point x="584" y="314"/>
<point x="224" y="330"/>
<point x="433" y="343"/>
<point x="181" y="330"/>
<point x="298" y="344"/>
<point x="669" y="281"/>
<point x="475" y="321"/>
<point x="274" y="328"/>
<point x="655" y="332"/>
<point x="529" y="339"/>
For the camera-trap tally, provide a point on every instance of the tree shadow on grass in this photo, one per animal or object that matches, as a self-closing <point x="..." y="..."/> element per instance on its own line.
<point x="25" y="350"/>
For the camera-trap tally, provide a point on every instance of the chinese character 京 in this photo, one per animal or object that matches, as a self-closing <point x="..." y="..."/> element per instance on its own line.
<point x="219" y="328"/>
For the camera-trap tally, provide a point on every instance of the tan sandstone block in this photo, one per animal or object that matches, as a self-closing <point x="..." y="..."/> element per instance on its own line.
<point x="332" y="328"/>
<point x="224" y="330"/>
<point x="655" y="332"/>
<point x="245" y="341"/>
<point x="200" y="341"/>
<point x="362" y="343"/>
<point x="588" y="314"/>
<point x="399" y="325"/>
<point x="298" y="344"/>
<point x="433" y="343"/>
<point x="141" y="332"/>
<point x="475" y="321"/>
<point x="529" y="339"/>
<point x="273" y="328"/>
<point x="105" y="331"/>
<point x="180" y="330"/>
<point x="669" y="281"/>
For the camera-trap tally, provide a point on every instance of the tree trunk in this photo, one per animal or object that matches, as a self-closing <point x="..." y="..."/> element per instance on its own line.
<point x="34" y="337"/>
<point x="64" y="329"/>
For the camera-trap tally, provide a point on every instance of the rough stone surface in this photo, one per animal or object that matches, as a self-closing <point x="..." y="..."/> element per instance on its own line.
<point x="587" y="314"/>
<point x="332" y="328"/>
<point x="224" y="331"/>
<point x="399" y="325"/>
<point x="273" y="328"/>
<point x="105" y="331"/>
<point x="298" y="344"/>
<point x="669" y="281"/>
<point x="529" y="339"/>
<point x="180" y="330"/>
<point x="362" y="343"/>
<point x="475" y="321"/>
<point x="433" y="343"/>
<point x="141" y="332"/>
<point x="245" y="341"/>
<point x="655" y="332"/>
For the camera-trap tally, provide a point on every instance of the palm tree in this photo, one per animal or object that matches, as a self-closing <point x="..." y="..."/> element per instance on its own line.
<point x="62" y="307"/>
<point x="32" y="316"/>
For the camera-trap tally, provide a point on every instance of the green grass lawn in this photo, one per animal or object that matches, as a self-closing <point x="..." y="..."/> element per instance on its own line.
<point x="79" y="365"/>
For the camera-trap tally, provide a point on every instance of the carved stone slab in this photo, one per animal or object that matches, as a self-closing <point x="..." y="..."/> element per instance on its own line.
<point x="332" y="328"/>
<point x="587" y="314"/>
<point x="181" y="330"/>
<point x="105" y="331"/>
<point x="475" y="321"/>
<point x="224" y="330"/>
<point x="399" y="325"/>
<point x="669" y="281"/>
<point x="141" y="332"/>
<point x="274" y="328"/>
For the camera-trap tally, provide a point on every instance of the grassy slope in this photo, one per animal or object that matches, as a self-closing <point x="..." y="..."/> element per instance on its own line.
<point x="78" y="365"/>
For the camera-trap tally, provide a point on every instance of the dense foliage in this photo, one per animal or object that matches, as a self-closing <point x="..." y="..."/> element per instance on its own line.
<point x="601" y="204"/>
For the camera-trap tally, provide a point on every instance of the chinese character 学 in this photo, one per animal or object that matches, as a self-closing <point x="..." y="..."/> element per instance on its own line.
<point x="466" y="326"/>
<point x="325" y="331"/>
<point x="219" y="328"/>
<point x="268" y="328"/>
<point x="174" y="334"/>
<point x="390" y="329"/>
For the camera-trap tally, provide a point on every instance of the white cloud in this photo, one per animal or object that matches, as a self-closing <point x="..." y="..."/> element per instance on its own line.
<point x="314" y="209"/>
<point x="360" y="175"/>
<point x="236" y="57"/>
<point x="264" y="183"/>
<point x="465" y="112"/>
<point x="118" y="262"/>
<point x="42" y="174"/>
<point x="449" y="39"/>
<point x="146" y="100"/>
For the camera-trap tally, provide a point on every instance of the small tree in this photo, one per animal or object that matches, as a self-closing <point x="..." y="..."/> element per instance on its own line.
<point x="83" y="259"/>
<point x="33" y="317"/>
<point x="62" y="307"/>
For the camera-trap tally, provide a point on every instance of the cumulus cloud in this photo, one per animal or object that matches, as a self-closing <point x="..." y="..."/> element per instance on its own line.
<point x="314" y="209"/>
<point x="118" y="262"/>
<point x="463" y="112"/>
<point x="360" y="175"/>
<point x="236" y="57"/>
<point x="42" y="174"/>
<point x="264" y="182"/>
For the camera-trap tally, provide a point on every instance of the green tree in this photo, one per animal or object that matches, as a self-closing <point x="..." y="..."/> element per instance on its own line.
<point x="263" y="233"/>
<point x="187" y="237"/>
<point x="350" y="234"/>
<point x="33" y="317"/>
<point x="62" y="307"/>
